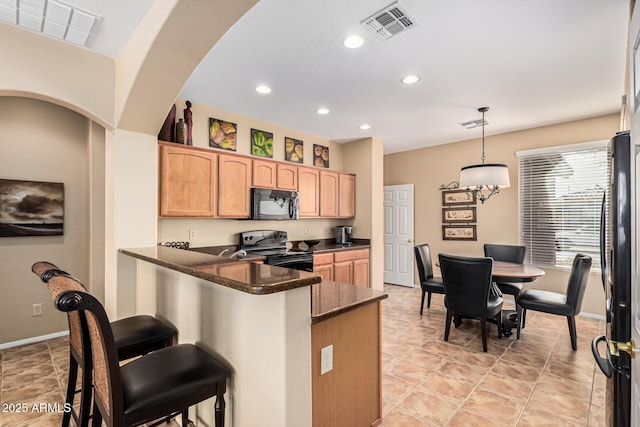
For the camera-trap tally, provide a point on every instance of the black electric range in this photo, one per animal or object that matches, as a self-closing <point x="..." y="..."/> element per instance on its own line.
<point x="272" y="244"/>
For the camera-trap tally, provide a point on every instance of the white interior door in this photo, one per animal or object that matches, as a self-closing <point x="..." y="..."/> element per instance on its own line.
<point x="398" y="234"/>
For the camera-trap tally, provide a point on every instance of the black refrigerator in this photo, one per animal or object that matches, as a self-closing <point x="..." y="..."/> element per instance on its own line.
<point x="615" y="256"/>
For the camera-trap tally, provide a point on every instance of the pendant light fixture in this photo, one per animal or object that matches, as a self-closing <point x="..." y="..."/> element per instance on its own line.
<point x="485" y="179"/>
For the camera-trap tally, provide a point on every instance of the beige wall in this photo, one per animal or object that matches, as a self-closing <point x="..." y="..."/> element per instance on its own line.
<point x="42" y="142"/>
<point x="428" y="168"/>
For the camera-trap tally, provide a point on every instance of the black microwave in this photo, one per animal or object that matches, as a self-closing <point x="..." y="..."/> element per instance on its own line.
<point x="269" y="204"/>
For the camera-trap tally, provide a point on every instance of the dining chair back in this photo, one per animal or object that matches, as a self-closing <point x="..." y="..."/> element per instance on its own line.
<point x="467" y="282"/>
<point x="567" y="304"/>
<point x="506" y="253"/>
<point x="428" y="282"/>
<point x="160" y="385"/>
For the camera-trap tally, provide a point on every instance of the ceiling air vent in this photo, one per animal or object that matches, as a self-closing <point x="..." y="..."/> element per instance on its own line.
<point x="390" y="21"/>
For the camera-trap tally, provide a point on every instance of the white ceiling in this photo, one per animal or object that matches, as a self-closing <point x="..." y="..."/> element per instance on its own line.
<point x="532" y="62"/>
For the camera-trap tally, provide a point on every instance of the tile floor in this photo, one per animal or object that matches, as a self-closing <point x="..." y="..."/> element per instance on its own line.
<point x="537" y="381"/>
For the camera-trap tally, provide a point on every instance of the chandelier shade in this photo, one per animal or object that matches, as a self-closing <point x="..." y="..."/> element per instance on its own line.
<point x="485" y="176"/>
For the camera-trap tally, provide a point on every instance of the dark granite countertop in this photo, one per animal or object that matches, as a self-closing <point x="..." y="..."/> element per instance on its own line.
<point x="329" y="299"/>
<point x="243" y="275"/>
<point x="333" y="247"/>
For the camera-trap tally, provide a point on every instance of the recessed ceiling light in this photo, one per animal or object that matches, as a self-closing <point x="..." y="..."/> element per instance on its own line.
<point x="323" y="111"/>
<point x="353" y="42"/>
<point x="263" y="89"/>
<point x="365" y="126"/>
<point x="410" y="79"/>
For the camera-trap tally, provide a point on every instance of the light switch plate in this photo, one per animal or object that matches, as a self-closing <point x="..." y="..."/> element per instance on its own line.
<point x="326" y="359"/>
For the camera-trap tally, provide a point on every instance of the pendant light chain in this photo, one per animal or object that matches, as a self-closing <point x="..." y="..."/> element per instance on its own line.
<point x="483" y="156"/>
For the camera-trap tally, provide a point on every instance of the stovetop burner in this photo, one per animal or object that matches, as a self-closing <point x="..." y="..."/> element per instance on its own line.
<point x="273" y="245"/>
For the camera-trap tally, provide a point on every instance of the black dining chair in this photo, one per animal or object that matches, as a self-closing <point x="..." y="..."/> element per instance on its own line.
<point x="467" y="282"/>
<point x="134" y="336"/>
<point x="567" y="304"/>
<point x="507" y="253"/>
<point x="157" y="386"/>
<point x="428" y="283"/>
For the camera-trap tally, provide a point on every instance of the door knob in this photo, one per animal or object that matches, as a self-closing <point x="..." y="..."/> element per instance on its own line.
<point x="410" y="240"/>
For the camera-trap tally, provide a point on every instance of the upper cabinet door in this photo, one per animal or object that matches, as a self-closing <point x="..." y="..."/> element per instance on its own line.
<point x="234" y="184"/>
<point x="347" y="186"/>
<point x="188" y="185"/>
<point x="287" y="177"/>
<point x="328" y="194"/>
<point x="264" y="174"/>
<point x="309" y="188"/>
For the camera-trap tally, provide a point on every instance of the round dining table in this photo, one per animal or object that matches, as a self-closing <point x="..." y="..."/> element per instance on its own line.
<point x="511" y="272"/>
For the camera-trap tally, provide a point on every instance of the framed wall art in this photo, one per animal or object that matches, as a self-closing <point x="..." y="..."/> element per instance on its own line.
<point x="461" y="214"/>
<point x="293" y="150"/>
<point x="223" y="134"/>
<point x="261" y="143"/>
<point x="320" y="156"/>
<point x="459" y="232"/>
<point x="458" y="197"/>
<point x="31" y="208"/>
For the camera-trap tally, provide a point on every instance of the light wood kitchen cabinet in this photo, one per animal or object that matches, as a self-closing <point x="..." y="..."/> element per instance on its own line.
<point x="361" y="272"/>
<point x="329" y="194"/>
<point x="309" y="188"/>
<point x="287" y="177"/>
<point x="323" y="265"/>
<point x="348" y="266"/>
<point x="347" y="198"/>
<point x="352" y="267"/>
<point x="188" y="182"/>
<point x="264" y="174"/>
<point x="234" y="187"/>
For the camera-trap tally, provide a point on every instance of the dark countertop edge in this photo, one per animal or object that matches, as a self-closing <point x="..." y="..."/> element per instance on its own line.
<point x="229" y="283"/>
<point x="336" y="248"/>
<point x="375" y="297"/>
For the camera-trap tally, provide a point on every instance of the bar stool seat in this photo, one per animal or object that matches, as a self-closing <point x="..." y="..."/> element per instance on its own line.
<point x="134" y="336"/>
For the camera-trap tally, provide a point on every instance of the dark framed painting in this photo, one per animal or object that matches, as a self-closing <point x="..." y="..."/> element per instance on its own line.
<point x="223" y="134"/>
<point x="261" y="143"/>
<point x="320" y="156"/>
<point x="461" y="214"/>
<point x="459" y="232"/>
<point x="458" y="197"/>
<point x="293" y="150"/>
<point x="31" y="208"/>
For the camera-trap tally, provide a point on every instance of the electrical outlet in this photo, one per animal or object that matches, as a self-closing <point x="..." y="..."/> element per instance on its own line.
<point x="326" y="359"/>
<point x="193" y="234"/>
<point x="36" y="310"/>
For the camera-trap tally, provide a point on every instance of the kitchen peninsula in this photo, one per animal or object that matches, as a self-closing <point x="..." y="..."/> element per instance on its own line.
<point x="270" y="325"/>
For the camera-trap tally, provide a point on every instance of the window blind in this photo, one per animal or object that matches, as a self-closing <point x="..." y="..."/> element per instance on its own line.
<point x="561" y="193"/>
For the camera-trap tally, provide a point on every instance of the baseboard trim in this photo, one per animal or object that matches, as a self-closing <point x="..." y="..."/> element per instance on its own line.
<point x="33" y="340"/>
<point x="593" y="316"/>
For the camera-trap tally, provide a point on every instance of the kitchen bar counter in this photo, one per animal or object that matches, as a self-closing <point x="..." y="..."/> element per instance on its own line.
<point x="329" y="299"/>
<point x="243" y="275"/>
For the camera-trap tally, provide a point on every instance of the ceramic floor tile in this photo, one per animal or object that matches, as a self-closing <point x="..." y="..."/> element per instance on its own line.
<point x="466" y="418"/>
<point x="516" y="370"/>
<point x="508" y="387"/>
<point x="452" y="389"/>
<point x="462" y="371"/>
<point x="429" y="405"/>
<point x="492" y="404"/>
<point x="534" y="417"/>
<point x="399" y="417"/>
<point x="559" y="402"/>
